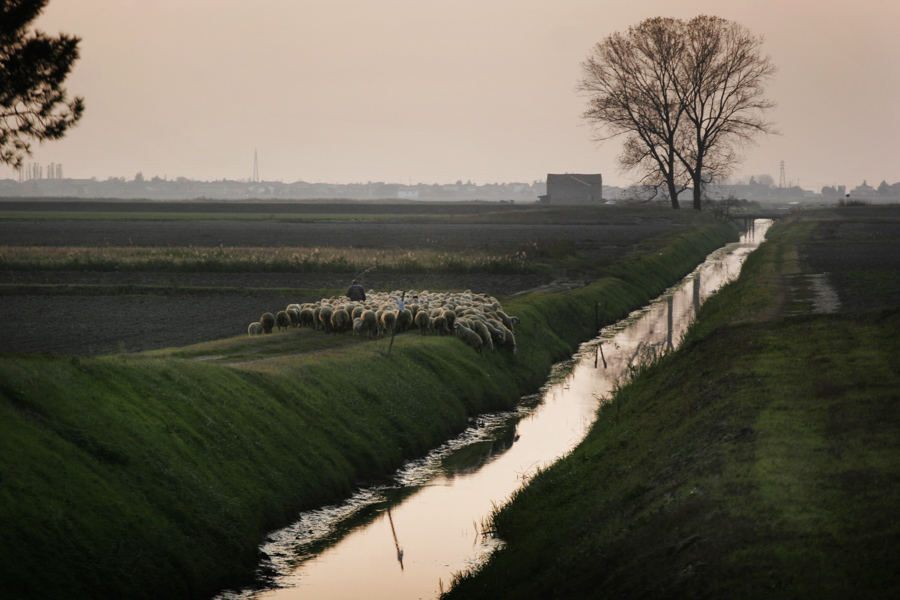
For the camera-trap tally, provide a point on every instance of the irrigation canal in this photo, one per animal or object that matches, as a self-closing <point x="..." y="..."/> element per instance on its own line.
<point x="406" y="540"/>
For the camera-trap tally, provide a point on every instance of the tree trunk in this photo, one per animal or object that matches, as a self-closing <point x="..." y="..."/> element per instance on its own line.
<point x="673" y="195"/>
<point x="698" y="175"/>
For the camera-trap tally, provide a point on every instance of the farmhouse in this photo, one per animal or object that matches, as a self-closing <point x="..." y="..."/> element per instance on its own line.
<point x="573" y="188"/>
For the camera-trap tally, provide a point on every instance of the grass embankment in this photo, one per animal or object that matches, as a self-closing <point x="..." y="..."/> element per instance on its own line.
<point x="760" y="460"/>
<point x="153" y="476"/>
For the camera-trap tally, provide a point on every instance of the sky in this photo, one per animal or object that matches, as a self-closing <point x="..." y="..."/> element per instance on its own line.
<point x="435" y="91"/>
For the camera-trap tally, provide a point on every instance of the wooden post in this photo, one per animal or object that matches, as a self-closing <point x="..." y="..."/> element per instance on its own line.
<point x="394" y="330"/>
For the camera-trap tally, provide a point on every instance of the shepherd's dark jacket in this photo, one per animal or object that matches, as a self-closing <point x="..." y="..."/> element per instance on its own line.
<point x="356" y="293"/>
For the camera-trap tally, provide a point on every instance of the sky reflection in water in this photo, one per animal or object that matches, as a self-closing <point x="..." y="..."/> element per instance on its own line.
<point x="408" y="539"/>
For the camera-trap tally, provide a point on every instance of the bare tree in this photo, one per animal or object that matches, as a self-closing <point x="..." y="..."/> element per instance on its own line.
<point x="721" y="82"/>
<point x="685" y="95"/>
<point x="628" y="78"/>
<point x="33" y="66"/>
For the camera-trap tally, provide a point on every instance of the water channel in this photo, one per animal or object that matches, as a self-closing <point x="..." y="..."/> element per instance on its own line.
<point x="407" y="539"/>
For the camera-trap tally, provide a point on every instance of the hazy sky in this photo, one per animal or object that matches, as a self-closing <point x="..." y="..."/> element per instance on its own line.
<point x="439" y="90"/>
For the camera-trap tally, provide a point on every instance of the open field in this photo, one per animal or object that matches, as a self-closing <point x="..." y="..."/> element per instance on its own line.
<point x="859" y="250"/>
<point x="88" y="310"/>
<point x="491" y="237"/>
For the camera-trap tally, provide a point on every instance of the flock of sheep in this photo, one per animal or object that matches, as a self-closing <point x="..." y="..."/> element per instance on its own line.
<point x="477" y="319"/>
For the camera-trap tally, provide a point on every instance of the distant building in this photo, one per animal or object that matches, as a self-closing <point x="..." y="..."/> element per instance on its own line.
<point x="862" y="191"/>
<point x="573" y="188"/>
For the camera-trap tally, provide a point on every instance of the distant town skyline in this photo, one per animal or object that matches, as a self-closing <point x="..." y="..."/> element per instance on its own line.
<point x="33" y="171"/>
<point x="410" y="92"/>
<point x="763" y="189"/>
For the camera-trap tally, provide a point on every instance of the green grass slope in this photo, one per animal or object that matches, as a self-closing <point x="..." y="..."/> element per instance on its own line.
<point x="154" y="476"/>
<point x="760" y="460"/>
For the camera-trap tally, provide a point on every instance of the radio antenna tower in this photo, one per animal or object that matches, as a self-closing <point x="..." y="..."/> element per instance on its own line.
<point x="781" y="177"/>
<point x="256" y="167"/>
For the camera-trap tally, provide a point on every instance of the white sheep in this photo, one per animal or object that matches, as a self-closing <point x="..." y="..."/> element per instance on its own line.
<point x="509" y="340"/>
<point x="507" y="320"/>
<point x="469" y="337"/>
<point x="325" y="317"/>
<point x="439" y="325"/>
<point x="476" y="313"/>
<point x="450" y="315"/>
<point x="478" y="326"/>
<point x="388" y="321"/>
<point x="423" y="321"/>
<point x="307" y="318"/>
<point x="370" y="323"/>
<point x="283" y="320"/>
<point x="340" y="320"/>
<point x="497" y="330"/>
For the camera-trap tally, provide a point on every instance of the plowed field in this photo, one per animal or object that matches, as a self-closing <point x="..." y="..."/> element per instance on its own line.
<point x="39" y="315"/>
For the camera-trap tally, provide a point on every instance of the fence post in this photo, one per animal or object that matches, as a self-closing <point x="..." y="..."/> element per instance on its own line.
<point x="401" y="308"/>
<point x="599" y="318"/>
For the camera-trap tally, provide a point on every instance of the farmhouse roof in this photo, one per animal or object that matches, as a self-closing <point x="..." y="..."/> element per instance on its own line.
<point x="584" y="179"/>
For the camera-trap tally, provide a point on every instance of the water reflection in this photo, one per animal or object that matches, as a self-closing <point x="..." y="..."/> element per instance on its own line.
<point x="430" y="522"/>
<point x="396" y="542"/>
<point x="472" y="457"/>
<point x="696" y="295"/>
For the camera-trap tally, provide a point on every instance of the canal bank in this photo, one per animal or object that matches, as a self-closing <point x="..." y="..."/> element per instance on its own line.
<point x="139" y="476"/>
<point x="759" y="460"/>
<point x="435" y="509"/>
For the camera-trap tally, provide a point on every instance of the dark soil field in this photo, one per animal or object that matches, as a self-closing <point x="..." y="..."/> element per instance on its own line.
<point x="859" y="251"/>
<point x="42" y="311"/>
<point x="591" y="240"/>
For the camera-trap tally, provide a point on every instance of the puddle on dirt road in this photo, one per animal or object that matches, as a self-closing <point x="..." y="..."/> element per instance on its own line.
<point x="407" y="539"/>
<point x="811" y="293"/>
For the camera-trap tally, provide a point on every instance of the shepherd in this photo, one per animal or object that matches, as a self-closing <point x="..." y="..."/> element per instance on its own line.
<point x="356" y="292"/>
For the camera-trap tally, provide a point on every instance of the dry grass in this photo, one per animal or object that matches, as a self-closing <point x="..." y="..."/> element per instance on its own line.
<point x="262" y="259"/>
